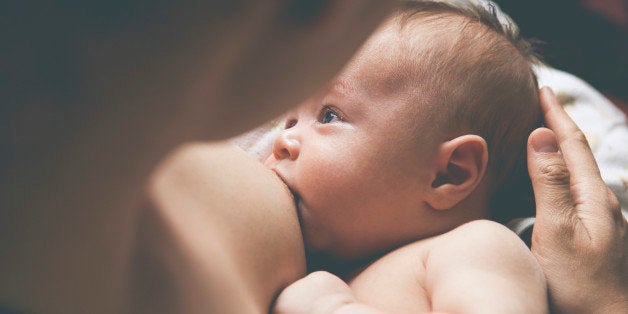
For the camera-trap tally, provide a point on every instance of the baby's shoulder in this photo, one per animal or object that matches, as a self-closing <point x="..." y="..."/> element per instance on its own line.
<point x="487" y="267"/>
<point x="472" y="241"/>
<point x="403" y="279"/>
<point x="478" y="239"/>
<point x="479" y="242"/>
<point x="480" y="233"/>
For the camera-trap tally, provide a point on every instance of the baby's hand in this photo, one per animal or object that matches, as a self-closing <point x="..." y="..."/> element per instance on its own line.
<point x="318" y="292"/>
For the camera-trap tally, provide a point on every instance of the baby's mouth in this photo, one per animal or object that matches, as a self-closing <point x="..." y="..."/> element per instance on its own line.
<point x="297" y="207"/>
<point x="297" y="202"/>
<point x="295" y="196"/>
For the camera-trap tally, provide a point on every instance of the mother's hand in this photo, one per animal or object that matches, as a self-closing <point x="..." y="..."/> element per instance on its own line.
<point x="580" y="236"/>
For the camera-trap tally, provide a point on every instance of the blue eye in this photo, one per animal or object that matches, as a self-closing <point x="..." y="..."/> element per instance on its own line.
<point x="328" y="116"/>
<point x="290" y="123"/>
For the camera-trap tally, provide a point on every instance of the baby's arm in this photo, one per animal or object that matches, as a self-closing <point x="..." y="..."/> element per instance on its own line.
<point x="482" y="267"/>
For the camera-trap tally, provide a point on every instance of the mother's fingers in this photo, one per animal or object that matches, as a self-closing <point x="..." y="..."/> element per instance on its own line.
<point x="574" y="237"/>
<point x="572" y="142"/>
<point x="550" y="177"/>
<point x="589" y="193"/>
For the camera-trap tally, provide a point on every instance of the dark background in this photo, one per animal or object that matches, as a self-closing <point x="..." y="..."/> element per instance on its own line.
<point x="588" y="38"/>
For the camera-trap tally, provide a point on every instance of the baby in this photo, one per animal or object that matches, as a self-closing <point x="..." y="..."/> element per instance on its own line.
<point x="422" y="135"/>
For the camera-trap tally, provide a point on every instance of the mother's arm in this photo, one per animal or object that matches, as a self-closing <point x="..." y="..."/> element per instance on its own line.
<point x="113" y="97"/>
<point x="580" y="236"/>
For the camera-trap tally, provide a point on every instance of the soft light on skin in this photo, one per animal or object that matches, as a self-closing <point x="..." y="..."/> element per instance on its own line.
<point x="370" y="140"/>
<point x="363" y="156"/>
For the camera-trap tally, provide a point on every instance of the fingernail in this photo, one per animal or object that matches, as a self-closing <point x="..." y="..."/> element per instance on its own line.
<point x="545" y="143"/>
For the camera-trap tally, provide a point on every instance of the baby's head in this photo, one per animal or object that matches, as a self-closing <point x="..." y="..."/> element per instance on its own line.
<point x="425" y="129"/>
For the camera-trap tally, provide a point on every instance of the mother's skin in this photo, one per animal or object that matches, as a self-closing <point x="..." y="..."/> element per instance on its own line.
<point x="219" y="234"/>
<point x="580" y="237"/>
<point x="94" y="96"/>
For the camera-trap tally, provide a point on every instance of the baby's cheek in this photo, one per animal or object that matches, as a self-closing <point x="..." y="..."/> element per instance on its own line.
<point x="325" y="185"/>
<point x="333" y="175"/>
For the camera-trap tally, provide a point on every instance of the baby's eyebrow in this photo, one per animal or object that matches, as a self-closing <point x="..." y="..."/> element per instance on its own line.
<point x="343" y="87"/>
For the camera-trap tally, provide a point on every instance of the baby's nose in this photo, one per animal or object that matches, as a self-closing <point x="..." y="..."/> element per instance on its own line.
<point x="286" y="145"/>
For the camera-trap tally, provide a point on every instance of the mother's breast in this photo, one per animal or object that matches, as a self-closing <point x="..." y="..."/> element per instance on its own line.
<point x="222" y="230"/>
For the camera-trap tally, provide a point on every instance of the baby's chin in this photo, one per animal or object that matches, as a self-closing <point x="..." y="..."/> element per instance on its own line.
<point x="322" y="243"/>
<point x="313" y="237"/>
<point x="342" y="263"/>
<point x="318" y="239"/>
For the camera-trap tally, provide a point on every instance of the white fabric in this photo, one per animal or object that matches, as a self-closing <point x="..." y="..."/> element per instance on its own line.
<point x="259" y="142"/>
<point x="603" y="124"/>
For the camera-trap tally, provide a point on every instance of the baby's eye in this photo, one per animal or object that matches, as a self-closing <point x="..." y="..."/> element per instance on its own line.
<point x="290" y="123"/>
<point x="329" y="116"/>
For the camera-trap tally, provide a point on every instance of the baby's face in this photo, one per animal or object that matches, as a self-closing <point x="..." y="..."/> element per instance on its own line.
<point x="358" y="157"/>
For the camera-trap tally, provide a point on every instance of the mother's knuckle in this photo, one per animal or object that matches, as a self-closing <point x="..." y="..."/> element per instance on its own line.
<point x="555" y="174"/>
<point x="580" y="137"/>
<point x="613" y="202"/>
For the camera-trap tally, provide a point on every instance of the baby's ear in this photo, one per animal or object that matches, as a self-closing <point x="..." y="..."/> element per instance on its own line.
<point x="460" y="167"/>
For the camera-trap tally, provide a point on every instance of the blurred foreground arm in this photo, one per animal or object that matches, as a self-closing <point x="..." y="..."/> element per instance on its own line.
<point x="95" y="94"/>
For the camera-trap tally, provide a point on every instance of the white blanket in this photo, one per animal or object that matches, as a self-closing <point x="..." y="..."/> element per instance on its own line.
<point x="603" y="124"/>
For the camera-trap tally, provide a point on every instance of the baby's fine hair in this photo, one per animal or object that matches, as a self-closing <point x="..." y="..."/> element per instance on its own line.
<point x="479" y="75"/>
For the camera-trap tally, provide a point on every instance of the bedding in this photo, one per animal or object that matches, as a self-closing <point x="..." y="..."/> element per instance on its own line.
<point x="603" y="124"/>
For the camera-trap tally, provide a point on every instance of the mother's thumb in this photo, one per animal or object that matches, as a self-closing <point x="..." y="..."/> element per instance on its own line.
<point x="549" y="175"/>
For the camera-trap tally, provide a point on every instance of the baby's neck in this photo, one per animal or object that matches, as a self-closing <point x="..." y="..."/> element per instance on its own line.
<point x="345" y="269"/>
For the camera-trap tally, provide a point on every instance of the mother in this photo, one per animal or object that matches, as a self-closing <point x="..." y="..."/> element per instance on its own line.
<point x="89" y="113"/>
